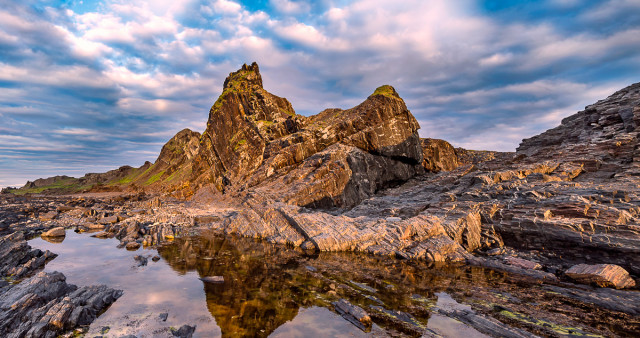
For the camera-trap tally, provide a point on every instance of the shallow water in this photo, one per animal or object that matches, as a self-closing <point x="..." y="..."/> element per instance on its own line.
<point x="274" y="290"/>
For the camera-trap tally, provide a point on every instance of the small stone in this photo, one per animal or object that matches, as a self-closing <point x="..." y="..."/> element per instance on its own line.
<point x="102" y="234"/>
<point x="109" y="220"/>
<point x="55" y="232"/>
<point x="495" y="251"/>
<point x="155" y="258"/>
<point x="142" y="261"/>
<point x="132" y="246"/>
<point x="94" y="226"/>
<point x="163" y="316"/>
<point x="603" y="275"/>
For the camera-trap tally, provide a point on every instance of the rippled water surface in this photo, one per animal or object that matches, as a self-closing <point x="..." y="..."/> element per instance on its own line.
<point x="273" y="290"/>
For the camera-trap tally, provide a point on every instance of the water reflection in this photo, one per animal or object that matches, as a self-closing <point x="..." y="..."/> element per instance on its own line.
<point x="266" y="285"/>
<point x="279" y="291"/>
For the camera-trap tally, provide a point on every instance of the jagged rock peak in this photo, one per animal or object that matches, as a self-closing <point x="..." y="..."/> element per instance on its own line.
<point x="246" y="78"/>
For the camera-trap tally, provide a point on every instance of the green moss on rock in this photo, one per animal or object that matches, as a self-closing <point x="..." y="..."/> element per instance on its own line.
<point x="385" y="90"/>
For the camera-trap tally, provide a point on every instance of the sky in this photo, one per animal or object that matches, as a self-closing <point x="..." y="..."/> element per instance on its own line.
<point x="88" y="86"/>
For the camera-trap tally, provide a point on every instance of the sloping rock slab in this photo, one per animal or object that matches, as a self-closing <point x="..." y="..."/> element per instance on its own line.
<point x="46" y="306"/>
<point x="603" y="275"/>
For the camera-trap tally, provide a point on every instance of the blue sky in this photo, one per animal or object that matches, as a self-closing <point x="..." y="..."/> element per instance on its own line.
<point x="87" y="86"/>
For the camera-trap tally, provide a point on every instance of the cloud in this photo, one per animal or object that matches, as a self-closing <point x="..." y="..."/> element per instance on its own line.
<point x="290" y="7"/>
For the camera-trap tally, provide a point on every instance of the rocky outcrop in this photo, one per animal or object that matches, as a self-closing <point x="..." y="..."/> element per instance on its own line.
<point x="438" y="155"/>
<point x="603" y="275"/>
<point x="43" y="182"/>
<point x="255" y="142"/>
<point x="241" y="123"/>
<point x="18" y="259"/>
<point x="173" y="167"/>
<point x="46" y="306"/>
<point x="602" y="139"/>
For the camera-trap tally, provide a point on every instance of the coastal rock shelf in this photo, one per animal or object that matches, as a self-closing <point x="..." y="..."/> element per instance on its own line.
<point x="563" y="210"/>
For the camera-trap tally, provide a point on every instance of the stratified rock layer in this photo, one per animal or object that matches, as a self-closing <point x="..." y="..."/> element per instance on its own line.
<point x="604" y="275"/>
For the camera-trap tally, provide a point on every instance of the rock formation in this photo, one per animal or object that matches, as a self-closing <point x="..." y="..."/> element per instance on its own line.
<point x="255" y="140"/>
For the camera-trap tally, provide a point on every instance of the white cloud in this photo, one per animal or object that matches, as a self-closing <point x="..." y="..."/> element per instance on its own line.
<point x="290" y="7"/>
<point x="497" y="59"/>
<point x="226" y="7"/>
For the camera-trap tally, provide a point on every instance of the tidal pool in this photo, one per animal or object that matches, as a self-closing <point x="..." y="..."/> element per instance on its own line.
<point x="272" y="290"/>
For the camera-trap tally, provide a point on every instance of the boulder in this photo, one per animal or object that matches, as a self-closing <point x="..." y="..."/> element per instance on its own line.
<point x="438" y="155"/>
<point x="603" y="275"/>
<point x="132" y="246"/>
<point x="55" y="232"/>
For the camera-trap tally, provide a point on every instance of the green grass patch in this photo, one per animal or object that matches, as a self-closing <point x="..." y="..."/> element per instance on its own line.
<point x="154" y="178"/>
<point x="385" y="90"/>
<point x="70" y="184"/>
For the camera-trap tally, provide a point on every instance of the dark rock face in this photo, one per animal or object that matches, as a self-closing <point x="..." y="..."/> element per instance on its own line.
<point x="46" y="306"/>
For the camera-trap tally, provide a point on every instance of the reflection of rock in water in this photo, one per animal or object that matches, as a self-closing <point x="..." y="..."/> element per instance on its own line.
<point x="259" y="293"/>
<point x="266" y="285"/>
<point x="53" y="239"/>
